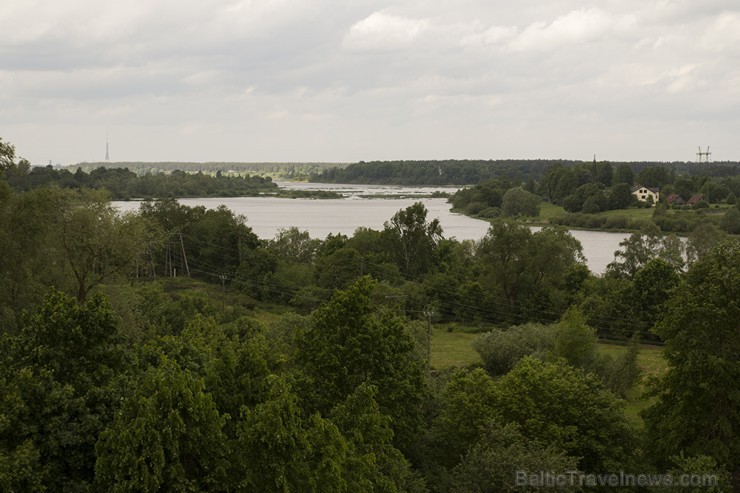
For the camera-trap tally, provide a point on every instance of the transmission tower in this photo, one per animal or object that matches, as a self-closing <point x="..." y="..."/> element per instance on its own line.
<point x="703" y="157"/>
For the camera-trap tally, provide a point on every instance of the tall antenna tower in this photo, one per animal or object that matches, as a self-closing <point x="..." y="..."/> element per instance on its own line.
<point x="107" y="155"/>
<point x="703" y="157"/>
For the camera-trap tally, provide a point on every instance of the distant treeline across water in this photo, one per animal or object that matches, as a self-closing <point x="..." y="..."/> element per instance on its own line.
<point x="123" y="183"/>
<point x="470" y="172"/>
<point x="404" y="172"/>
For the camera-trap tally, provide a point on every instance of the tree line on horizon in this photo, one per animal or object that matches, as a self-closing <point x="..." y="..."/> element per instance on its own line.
<point x="472" y="172"/>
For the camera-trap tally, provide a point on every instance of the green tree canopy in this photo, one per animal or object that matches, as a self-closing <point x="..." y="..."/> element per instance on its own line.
<point x="565" y="407"/>
<point x="413" y="239"/>
<point x="519" y="202"/>
<point x="698" y="406"/>
<point x="350" y="343"/>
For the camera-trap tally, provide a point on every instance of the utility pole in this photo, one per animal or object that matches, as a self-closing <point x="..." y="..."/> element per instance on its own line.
<point x="429" y="314"/>
<point x="223" y="292"/>
<point x="185" y="257"/>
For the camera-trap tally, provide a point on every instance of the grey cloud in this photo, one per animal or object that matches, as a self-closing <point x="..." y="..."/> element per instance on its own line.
<point x="365" y="80"/>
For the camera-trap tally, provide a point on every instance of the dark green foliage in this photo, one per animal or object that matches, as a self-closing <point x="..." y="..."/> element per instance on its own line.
<point x="468" y="402"/>
<point x="519" y="202"/>
<point x="412" y="239"/>
<point x="449" y="172"/>
<point x="620" y="196"/>
<point x="731" y="221"/>
<point x="702" y="240"/>
<point x="575" y="341"/>
<point x="124" y="184"/>
<point x="280" y="451"/>
<point x="651" y="288"/>
<point x="29" y="262"/>
<point x="339" y="269"/>
<point x="525" y="273"/>
<point x="168" y="434"/>
<point x="624" y="174"/>
<point x="492" y="464"/>
<point x="474" y="200"/>
<point x="698" y="407"/>
<point x="701" y="467"/>
<point x="59" y="392"/>
<point x="214" y="242"/>
<point x="569" y="409"/>
<point x="654" y="177"/>
<point x="637" y="250"/>
<point x="349" y="344"/>
<point x="501" y="350"/>
<point x="294" y="246"/>
<point x="374" y="464"/>
<point x="255" y="271"/>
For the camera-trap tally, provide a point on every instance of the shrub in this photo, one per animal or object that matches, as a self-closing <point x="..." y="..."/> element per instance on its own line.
<point x="616" y="222"/>
<point x="475" y="207"/>
<point x="595" y="222"/>
<point x="490" y="212"/>
<point x="501" y="350"/>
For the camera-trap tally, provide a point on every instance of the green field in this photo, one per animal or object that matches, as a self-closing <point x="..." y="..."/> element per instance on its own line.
<point x="651" y="362"/>
<point x="453" y="349"/>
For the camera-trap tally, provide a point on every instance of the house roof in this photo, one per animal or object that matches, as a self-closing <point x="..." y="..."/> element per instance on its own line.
<point x="675" y="198"/>
<point x="652" y="189"/>
<point x="697" y="197"/>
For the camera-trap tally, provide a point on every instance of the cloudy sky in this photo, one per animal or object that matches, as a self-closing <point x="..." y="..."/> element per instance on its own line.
<point x="349" y="80"/>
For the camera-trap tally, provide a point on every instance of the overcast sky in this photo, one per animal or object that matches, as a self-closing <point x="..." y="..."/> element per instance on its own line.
<point x="349" y="80"/>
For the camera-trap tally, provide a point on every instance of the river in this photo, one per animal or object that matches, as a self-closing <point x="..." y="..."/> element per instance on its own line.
<point x="267" y="215"/>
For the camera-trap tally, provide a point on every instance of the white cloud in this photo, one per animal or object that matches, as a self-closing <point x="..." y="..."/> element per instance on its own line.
<point x="578" y="26"/>
<point x="492" y="36"/>
<point x="723" y="34"/>
<point x="381" y="31"/>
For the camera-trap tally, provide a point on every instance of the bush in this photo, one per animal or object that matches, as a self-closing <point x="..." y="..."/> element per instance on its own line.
<point x="490" y="212"/>
<point x="702" y="204"/>
<point x="475" y="207"/>
<point x="731" y="221"/>
<point x="616" y="222"/>
<point x="501" y="350"/>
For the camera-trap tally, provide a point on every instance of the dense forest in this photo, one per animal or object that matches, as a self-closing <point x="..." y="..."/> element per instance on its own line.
<point x="171" y="349"/>
<point x="123" y="184"/>
<point x="471" y="172"/>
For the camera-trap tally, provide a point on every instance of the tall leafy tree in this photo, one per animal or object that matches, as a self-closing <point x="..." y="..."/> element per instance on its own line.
<point x="167" y="436"/>
<point x="97" y="242"/>
<point x="350" y="343"/>
<point x="413" y="239"/>
<point x="641" y="247"/>
<point x="698" y="399"/>
<point x="502" y="452"/>
<point x="518" y="201"/>
<point x="526" y="273"/>
<point x="567" y="408"/>
<point x="59" y="392"/>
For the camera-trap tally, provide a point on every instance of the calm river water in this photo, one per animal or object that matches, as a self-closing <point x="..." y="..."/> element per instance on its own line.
<point x="267" y="215"/>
